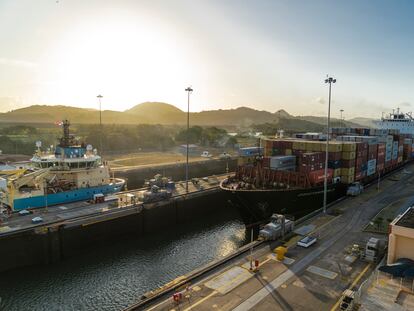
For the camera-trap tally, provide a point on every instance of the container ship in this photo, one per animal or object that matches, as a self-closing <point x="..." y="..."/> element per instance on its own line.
<point x="286" y="175"/>
<point x="71" y="172"/>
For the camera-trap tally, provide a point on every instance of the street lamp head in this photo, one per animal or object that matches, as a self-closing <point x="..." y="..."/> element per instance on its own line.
<point x="99" y="96"/>
<point x="189" y="89"/>
<point x="330" y="80"/>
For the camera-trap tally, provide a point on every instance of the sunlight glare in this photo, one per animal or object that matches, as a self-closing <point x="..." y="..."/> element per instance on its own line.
<point x="122" y="58"/>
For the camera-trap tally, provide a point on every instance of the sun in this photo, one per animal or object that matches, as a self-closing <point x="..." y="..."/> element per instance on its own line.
<point x="127" y="60"/>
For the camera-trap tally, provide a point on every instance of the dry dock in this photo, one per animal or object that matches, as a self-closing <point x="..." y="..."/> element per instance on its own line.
<point x="308" y="279"/>
<point x="68" y="229"/>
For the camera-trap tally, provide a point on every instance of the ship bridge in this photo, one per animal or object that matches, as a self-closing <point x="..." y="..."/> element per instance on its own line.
<point x="397" y="120"/>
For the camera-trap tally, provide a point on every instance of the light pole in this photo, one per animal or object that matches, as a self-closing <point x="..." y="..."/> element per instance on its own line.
<point x="100" y="123"/>
<point x="342" y="120"/>
<point x="189" y="90"/>
<point x="329" y="80"/>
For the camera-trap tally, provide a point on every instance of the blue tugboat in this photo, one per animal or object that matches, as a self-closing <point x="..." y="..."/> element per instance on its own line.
<point x="71" y="172"/>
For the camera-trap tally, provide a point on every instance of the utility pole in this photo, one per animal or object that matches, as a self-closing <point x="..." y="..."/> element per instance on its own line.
<point x="329" y="80"/>
<point x="100" y="123"/>
<point x="189" y="90"/>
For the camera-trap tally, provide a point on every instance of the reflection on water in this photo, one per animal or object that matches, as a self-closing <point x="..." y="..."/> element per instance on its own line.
<point x="115" y="276"/>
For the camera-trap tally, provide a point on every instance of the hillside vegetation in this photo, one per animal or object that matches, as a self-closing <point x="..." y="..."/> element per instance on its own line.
<point x="165" y="114"/>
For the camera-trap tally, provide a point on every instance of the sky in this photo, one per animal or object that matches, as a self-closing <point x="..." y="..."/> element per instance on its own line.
<point x="267" y="55"/>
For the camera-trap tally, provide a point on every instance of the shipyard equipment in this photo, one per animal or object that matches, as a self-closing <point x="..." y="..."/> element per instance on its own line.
<point x="347" y="300"/>
<point x="154" y="194"/>
<point x="374" y="250"/>
<point x="276" y="228"/>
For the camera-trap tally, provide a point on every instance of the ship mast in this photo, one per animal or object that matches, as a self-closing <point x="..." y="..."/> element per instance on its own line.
<point x="65" y="140"/>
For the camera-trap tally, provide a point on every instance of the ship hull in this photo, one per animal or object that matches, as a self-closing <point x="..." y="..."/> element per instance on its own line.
<point x="82" y="194"/>
<point x="257" y="205"/>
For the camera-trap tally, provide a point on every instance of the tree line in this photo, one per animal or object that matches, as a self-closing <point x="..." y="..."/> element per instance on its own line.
<point x="114" y="138"/>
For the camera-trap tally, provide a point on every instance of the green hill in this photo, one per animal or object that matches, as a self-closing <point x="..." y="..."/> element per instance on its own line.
<point x="162" y="113"/>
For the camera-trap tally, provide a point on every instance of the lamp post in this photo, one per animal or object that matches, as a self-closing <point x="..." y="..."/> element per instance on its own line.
<point x="189" y="90"/>
<point x="329" y="80"/>
<point x="342" y="120"/>
<point x="100" y="122"/>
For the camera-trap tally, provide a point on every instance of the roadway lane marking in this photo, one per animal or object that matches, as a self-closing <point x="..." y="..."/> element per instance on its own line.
<point x="229" y="280"/>
<point x="246" y="265"/>
<point x="286" y="260"/>
<point x="335" y="306"/>
<point x="322" y="272"/>
<point x="201" y="301"/>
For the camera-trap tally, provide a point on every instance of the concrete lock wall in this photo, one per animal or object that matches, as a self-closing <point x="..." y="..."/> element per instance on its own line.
<point x="137" y="176"/>
<point x="51" y="244"/>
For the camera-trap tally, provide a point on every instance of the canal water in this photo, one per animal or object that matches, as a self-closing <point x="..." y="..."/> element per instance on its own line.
<point x="117" y="275"/>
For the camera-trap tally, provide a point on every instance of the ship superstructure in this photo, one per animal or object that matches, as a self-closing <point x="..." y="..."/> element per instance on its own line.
<point x="71" y="172"/>
<point x="397" y="120"/>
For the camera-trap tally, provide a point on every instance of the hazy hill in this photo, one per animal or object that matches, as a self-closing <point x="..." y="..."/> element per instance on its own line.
<point x="162" y="113"/>
<point x="364" y="121"/>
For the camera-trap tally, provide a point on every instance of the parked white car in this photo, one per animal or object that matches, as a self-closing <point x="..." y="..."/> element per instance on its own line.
<point x="355" y="189"/>
<point x="206" y="154"/>
<point x="306" y="241"/>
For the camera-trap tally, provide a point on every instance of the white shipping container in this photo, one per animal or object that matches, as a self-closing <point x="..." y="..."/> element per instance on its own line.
<point x="372" y="163"/>
<point x="371" y="171"/>
<point x="282" y="161"/>
<point x="284" y="168"/>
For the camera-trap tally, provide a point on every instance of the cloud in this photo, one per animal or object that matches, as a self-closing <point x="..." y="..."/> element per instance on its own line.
<point x="17" y="62"/>
<point x="320" y="100"/>
<point x="10" y="103"/>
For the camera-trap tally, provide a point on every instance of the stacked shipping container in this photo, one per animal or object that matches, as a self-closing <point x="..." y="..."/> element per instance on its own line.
<point x="354" y="155"/>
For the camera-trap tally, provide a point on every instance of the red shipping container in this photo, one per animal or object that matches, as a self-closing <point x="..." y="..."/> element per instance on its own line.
<point x="317" y="177"/>
<point x="372" y="148"/>
<point x="360" y="161"/>
<point x="311" y="158"/>
<point x="266" y="162"/>
<point x="358" y="175"/>
<point x="334" y="156"/>
<point x="372" y="155"/>
<point x="380" y="167"/>
<point x="381" y="160"/>
<point x="348" y="163"/>
<point x="381" y="147"/>
<point x="298" y="153"/>
<point x="306" y="168"/>
<point x="361" y="146"/>
<point x="362" y="154"/>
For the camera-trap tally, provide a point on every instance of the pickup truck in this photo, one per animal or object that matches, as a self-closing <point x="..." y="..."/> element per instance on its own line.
<point x="355" y="189"/>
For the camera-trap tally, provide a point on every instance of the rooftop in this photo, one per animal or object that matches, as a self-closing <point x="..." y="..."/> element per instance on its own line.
<point x="407" y="219"/>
